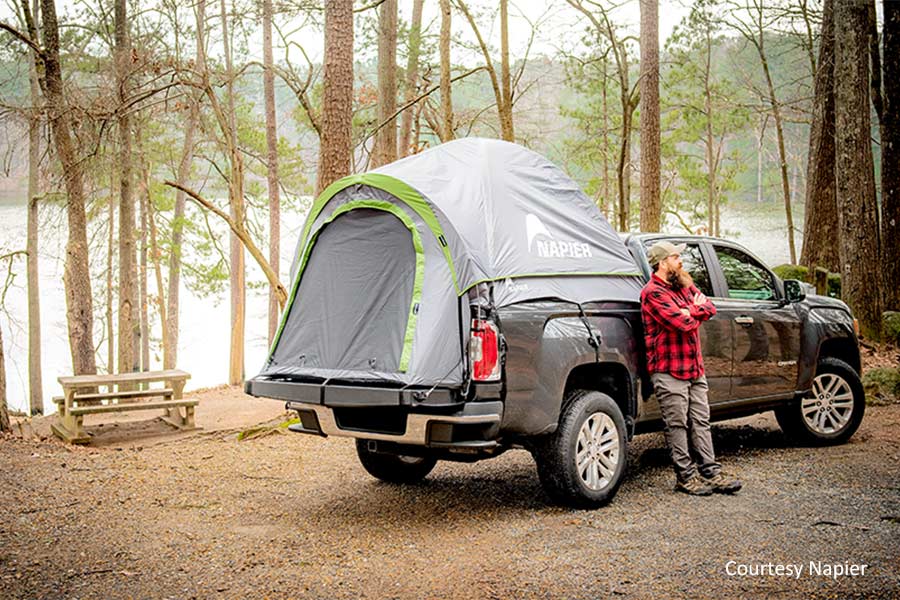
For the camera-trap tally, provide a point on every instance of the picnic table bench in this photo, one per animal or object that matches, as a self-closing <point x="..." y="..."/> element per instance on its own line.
<point x="82" y="396"/>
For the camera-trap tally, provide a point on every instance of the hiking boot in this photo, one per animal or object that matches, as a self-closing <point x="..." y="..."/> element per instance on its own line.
<point x="695" y="486"/>
<point x="723" y="484"/>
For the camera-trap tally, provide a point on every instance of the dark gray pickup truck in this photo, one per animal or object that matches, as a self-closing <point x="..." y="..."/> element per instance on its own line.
<point x="573" y="389"/>
<point x="525" y="362"/>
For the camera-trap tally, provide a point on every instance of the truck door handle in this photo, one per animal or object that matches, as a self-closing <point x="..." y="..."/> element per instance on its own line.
<point x="743" y="320"/>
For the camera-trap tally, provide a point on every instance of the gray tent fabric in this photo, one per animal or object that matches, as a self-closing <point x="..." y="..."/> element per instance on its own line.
<point x="389" y="260"/>
<point x="517" y="213"/>
<point x="351" y="306"/>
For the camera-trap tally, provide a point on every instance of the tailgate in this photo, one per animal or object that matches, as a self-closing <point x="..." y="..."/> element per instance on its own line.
<point x="328" y="394"/>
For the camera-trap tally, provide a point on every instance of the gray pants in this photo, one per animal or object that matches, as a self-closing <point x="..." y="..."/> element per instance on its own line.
<point x="685" y="412"/>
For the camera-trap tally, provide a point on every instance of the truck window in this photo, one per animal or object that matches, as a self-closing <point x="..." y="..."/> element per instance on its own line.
<point x="745" y="277"/>
<point x="693" y="264"/>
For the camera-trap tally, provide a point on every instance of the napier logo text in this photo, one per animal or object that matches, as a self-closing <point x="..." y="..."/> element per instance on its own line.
<point x="543" y="244"/>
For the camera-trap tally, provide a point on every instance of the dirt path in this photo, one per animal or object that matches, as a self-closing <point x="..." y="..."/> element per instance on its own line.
<point x="203" y="515"/>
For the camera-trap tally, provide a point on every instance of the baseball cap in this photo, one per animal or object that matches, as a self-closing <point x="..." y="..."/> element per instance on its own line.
<point x="663" y="250"/>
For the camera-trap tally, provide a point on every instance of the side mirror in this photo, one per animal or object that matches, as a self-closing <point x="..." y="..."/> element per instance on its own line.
<point x="793" y="291"/>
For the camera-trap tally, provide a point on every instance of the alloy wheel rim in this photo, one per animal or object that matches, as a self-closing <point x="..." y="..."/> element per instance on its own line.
<point x="597" y="451"/>
<point x="829" y="407"/>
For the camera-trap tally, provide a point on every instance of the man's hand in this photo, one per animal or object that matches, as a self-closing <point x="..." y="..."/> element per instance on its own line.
<point x="700" y="299"/>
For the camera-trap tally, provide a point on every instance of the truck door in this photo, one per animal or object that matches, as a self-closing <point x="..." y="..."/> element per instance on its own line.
<point x="766" y="341"/>
<point x="715" y="334"/>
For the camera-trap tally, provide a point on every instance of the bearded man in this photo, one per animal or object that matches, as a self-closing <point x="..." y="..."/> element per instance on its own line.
<point x="672" y="309"/>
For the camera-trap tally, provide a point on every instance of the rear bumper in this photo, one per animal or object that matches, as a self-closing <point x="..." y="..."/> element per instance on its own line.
<point x="436" y="418"/>
<point x="477" y="425"/>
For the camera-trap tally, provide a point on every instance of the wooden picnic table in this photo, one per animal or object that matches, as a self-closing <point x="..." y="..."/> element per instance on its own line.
<point x="124" y="392"/>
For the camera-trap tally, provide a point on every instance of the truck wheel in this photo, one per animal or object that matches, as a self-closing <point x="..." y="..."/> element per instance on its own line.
<point x="831" y="412"/>
<point x="582" y="464"/>
<point x="393" y="468"/>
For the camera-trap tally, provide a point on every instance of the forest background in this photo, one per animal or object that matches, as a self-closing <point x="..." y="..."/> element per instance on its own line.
<point x="157" y="158"/>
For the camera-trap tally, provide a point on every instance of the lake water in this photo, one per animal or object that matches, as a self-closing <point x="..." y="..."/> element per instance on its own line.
<point x="205" y="322"/>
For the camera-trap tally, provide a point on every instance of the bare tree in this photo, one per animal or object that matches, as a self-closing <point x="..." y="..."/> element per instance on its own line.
<point x="628" y="98"/>
<point x="236" y="206"/>
<point x="337" y="97"/>
<point x="650" y="168"/>
<point x="35" y="385"/>
<point x="170" y="339"/>
<point x="405" y="144"/>
<point x="127" y="358"/>
<point x="506" y="93"/>
<point x="890" y="154"/>
<point x="821" y="224"/>
<point x="753" y="28"/>
<point x="854" y="172"/>
<point x="271" y="163"/>
<point x="446" y="129"/>
<point x="110" y="265"/>
<point x="385" y="147"/>
<point x="502" y="85"/>
<point x="4" y="410"/>
<point x="143" y="301"/>
<point x="77" y="278"/>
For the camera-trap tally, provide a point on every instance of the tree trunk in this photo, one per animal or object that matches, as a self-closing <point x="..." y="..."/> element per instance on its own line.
<point x="110" y="265"/>
<point x="608" y="206"/>
<point x="405" y="145"/>
<point x="236" y="204"/>
<point x="170" y="350"/>
<point x="127" y="289"/>
<point x="35" y="383"/>
<point x="820" y="228"/>
<point x="504" y="108"/>
<point x="385" y="147"/>
<point x="271" y="163"/>
<point x="624" y="166"/>
<point x="77" y="277"/>
<point x="4" y="410"/>
<point x="890" y="154"/>
<point x="821" y="223"/>
<point x="144" y="302"/>
<point x="337" y="97"/>
<point x="149" y="221"/>
<point x="782" y="156"/>
<point x="506" y="117"/>
<point x="861" y="269"/>
<point x="760" y="138"/>
<point x="651" y="209"/>
<point x="446" y="132"/>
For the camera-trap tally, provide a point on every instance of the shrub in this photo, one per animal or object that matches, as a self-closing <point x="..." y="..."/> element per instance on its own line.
<point x="882" y="386"/>
<point x="890" y="327"/>
<point x="832" y="289"/>
<point x="792" y="272"/>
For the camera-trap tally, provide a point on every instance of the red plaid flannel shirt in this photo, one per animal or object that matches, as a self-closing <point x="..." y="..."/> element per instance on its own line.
<point x="672" y="338"/>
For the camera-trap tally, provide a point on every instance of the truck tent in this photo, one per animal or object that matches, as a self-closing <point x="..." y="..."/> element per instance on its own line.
<point x="387" y="261"/>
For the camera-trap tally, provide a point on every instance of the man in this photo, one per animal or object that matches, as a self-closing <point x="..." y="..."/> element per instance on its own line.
<point x="672" y="309"/>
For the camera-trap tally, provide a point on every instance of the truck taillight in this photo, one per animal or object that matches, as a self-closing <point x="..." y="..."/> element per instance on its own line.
<point x="484" y="351"/>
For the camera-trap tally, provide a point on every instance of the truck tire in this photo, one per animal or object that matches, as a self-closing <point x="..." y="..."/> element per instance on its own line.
<point x="582" y="464"/>
<point x="393" y="468"/>
<point x="831" y="412"/>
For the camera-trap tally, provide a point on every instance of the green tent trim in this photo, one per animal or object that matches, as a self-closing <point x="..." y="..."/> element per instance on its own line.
<point x="532" y="275"/>
<point x="413" y="315"/>
<point x="402" y="191"/>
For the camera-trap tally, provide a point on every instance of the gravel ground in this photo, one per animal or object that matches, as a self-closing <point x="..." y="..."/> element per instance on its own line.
<point x="293" y="516"/>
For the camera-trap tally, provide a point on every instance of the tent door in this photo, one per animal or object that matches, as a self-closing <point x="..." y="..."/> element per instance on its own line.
<point x="358" y="294"/>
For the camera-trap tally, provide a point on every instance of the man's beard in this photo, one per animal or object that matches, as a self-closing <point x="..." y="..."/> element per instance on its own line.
<point x="680" y="279"/>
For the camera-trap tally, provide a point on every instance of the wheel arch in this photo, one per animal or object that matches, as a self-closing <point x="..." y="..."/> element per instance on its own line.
<point x="610" y="378"/>
<point x="844" y="349"/>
